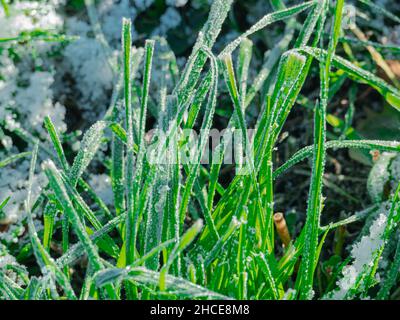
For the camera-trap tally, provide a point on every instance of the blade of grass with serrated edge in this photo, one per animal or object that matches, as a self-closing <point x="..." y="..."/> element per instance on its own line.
<point x="49" y="217"/>
<point x="64" y="164"/>
<point x="63" y="161"/>
<point x="56" y="143"/>
<point x="117" y="174"/>
<point x="304" y="282"/>
<point x="241" y="260"/>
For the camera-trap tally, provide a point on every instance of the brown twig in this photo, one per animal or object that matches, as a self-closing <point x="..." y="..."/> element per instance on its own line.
<point x="281" y="228"/>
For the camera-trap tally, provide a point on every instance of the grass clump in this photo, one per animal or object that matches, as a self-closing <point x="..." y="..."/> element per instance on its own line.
<point x="178" y="228"/>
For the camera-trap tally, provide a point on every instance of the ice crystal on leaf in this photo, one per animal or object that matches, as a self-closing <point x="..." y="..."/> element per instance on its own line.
<point x="363" y="255"/>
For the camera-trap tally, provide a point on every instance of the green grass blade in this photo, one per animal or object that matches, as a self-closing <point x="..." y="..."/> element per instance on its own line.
<point x="89" y="146"/>
<point x="56" y="143"/>
<point x="148" y="278"/>
<point x="315" y="199"/>
<point x="14" y="158"/>
<point x="266" y="271"/>
<point x="304" y="153"/>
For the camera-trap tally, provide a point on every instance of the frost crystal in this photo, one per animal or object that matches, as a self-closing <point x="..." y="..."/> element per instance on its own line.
<point x="363" y="254"/>
<point x="378" y="176"/>
<point x="28" y="16"/>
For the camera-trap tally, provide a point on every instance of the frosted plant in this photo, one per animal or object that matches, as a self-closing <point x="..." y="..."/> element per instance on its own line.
<point x="157" y="237"/>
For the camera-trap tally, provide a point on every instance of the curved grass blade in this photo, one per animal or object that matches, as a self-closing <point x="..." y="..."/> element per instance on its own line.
<point x="205" y="129"/>
<point x="389" y="146"/>
<point x="391" y="94"/>
<point x="148" y="278"/>
<point x="56" y="143"/>
<point x="14" y="158"/>
<point x="89" y="146"/>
